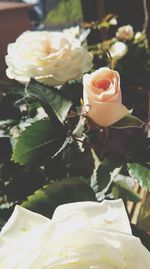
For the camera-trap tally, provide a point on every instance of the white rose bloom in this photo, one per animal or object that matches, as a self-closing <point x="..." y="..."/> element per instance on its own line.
<point x="72" y="31"/>
<point x="118" y="50"/>
<point x="83" y="235"/>
<point x="50" y="57"/>
<point x="125" y="33"/>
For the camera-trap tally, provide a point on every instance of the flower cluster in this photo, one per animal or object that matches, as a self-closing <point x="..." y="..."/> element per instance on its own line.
<point x="54" y="58"/>
<point x="127" y="51"/>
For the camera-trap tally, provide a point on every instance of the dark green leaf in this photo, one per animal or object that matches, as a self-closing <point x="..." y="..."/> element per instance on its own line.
<point x="64" y="145"/>
<point x="22" y="182"/>
<point x="5" y="213"/>
<point x="51" y="99"/>
<point x="73" y="91"/>
<point x="128" y="122"/>
<point x="39" y="141"/>
<point x="45" y="201"/>
<point x="51" y="168"/>
<point x="78" y="163"/>
<point x="141" y="173"/>
<point x="126" y="191"/>
<point x="107" y="169"/>
<point x="2" y="222"/>
<point x="32" y="108"/>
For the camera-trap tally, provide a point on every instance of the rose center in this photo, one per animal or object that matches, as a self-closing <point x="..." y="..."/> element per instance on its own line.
<point x="102" y="84"/>
<point x="47" y="48"/>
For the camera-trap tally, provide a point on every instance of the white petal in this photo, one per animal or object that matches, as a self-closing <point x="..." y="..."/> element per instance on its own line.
<point x="107" y="215"/>
<point x="21" y="221"/>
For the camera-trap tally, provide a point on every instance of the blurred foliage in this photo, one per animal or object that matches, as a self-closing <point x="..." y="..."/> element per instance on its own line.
<point x="65" y="13"/>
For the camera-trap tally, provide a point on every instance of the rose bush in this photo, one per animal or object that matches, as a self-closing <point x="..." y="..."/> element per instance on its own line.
<point x="102" y="93"/>
<point x="125" y="33"/>
<point x="80" y="235"/>
<point x="49" y="57"/>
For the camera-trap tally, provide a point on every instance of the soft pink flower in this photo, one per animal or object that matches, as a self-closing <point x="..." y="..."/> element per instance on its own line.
<point x="102" y="94"/>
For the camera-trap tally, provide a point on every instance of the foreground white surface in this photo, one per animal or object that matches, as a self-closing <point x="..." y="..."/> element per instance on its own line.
<point x="84" y="235"/>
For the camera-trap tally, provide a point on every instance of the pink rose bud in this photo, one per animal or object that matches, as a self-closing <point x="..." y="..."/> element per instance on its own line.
<point x="102" y="93"/>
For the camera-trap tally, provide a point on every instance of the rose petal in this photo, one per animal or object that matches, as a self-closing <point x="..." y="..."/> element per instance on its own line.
<point x="106" y="114"/>
<point x="60" y="244"/>
<point x="105" y="103"/>
<point x="105" y="215"/>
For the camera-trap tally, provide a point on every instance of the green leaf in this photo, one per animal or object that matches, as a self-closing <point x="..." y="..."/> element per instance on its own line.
<point x="2" y="223"/>
<point x="126" y="191"/>
<point x="39" y="141"/>
<point x="51" y="99"/>
<point x="5" y="212"/>
<point x="51" y="168"/>
<point x="108" y="170"/>
<point x="78" y="163"/>
<point x="128" y="121"/>
<point x="66" y="142"/>
<point x="73" y="91"/>
<point x="44" y="201"/>
<point x="141" y="173"/>
<point x="21" y="181"/>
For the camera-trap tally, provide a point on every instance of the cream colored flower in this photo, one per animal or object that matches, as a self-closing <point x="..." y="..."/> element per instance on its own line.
<point x="49" y="57"/>
<point x="102" y="94"/>
<point x="72" y="31"/>
<point x="125" y="33"/>
<point x="117" y="51"/>
<point x="85" y="235"/>
<point x="138" y="36"/>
